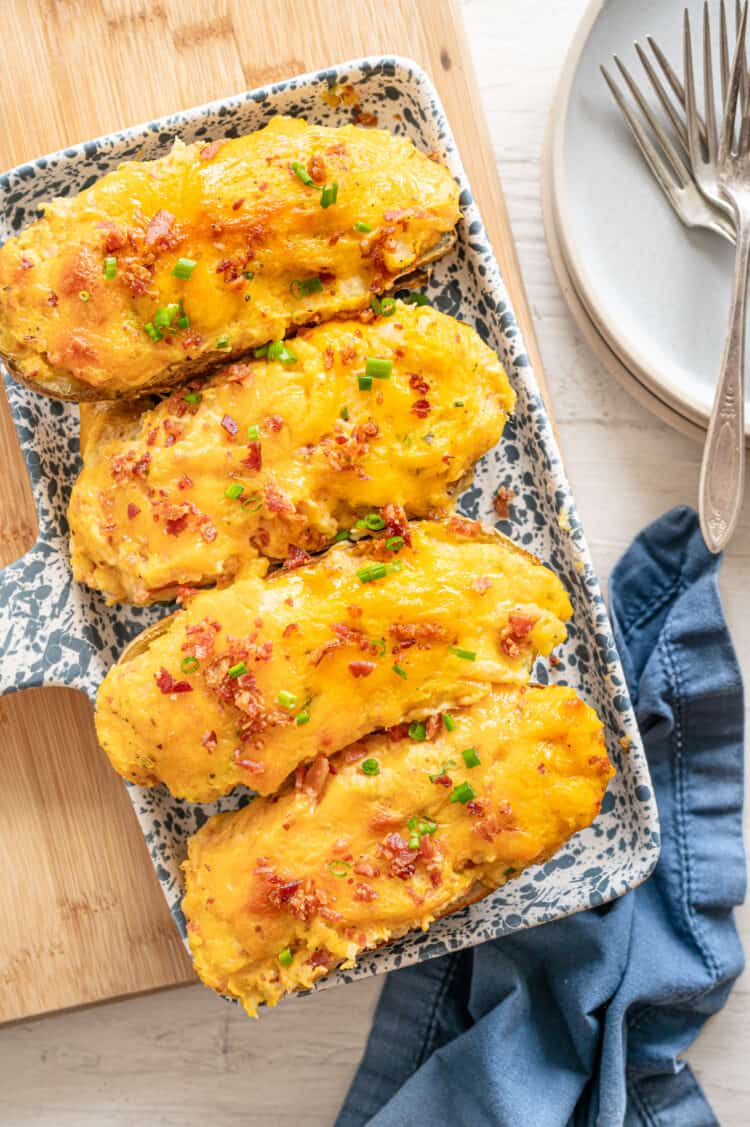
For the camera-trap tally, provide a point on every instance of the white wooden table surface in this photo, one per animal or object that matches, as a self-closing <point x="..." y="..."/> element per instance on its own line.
<point x="184" y="1058"/>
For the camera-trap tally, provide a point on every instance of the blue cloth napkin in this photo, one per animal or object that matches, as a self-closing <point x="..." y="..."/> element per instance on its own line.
<point x="582" y="1021"/>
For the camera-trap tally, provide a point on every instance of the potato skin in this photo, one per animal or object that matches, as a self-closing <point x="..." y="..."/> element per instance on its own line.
<point x="149" y="511"/>
<point x="331" y="641"/>
<point x="236" y="209"/>
<point x="331" y="875"/>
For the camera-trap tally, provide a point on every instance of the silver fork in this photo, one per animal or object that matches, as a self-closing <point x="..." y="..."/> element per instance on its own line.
<point x="727" y="162"/>
<point x="666" y="164"/>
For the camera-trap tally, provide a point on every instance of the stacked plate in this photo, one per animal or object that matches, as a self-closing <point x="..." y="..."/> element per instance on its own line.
<point x="650" y="296"/>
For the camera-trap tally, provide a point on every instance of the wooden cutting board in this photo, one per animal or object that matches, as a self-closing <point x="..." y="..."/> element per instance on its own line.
<point x="83" y="918"/>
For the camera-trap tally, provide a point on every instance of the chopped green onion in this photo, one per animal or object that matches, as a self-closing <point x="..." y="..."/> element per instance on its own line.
<point x="253" y="434"/>
<point x="84" y="295"/>
<point x="463" y="793"/>
<point x="302" y="174"/>
<point x="374" y="522"/>
<point x="365" y="228"/>
<point x="237" y="670"/>
<point x="286" y="958"/>
<point x="189" y="664"/>
<point x="417" y="731"/>
<point x="450" y="723"/>
<point x="261" y="353"/>
<point x="375" y="304"/>
<point x="110" y="267"/>
<point x="394" y="543"/>
<point x="339" y="869"/>
<point x="467" y="655"/>
<point x="401" y="672"/>
<point x="396" y="566"/>
<point x="287" y="700"/>
<point x="234" y="491"/>
<point x="413" y="841"/>
<point x="414" y="297"/>
<point x="507" y="872"/>
<point x="372" y="572"/>
<point x="365" y="383"/>
<point x="248" y="274"/>
<point x="379" y="644"/>
<point x="378" y="369"/>
<point x="278" y="350"/>
<point x="344" y="414"/>
<point x="370" y="767"/>
<point x="412" y="824"/>
<point x="303" y="717"/>
<point x="183" y="321"/>
<point x="301" y="287"/>
<point x="427" y="826"/>
<point x="329" y="195"/>
<point x="184" y="267"/>
<point x="152" y="331"/>
<point x="252" y="503"/>
<point x="458" y="403"/>
<point x="193" y="397"/>
<point x="342" y="534"/>
<point x="165" y="315"/>
<point x="471" y="759"/>
<point x="223" y="342"/>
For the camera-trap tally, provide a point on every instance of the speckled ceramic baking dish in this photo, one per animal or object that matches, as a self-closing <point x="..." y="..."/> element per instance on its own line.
<point x="53" y="631"/>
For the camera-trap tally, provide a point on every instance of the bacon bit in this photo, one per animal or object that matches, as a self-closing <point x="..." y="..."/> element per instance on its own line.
<point x="297" y="558"/>
<point x="201" y="638"/>
<point x="292" y="628"/>
<point x="403" y="861"/>
<point x="133" y="511"/>
<point x="115" y="240"/>
<point x="273" y="423"/>
<point x="481" y="585"/>
<point x="209" y="740"/>
<point x="254" y="459"/>
<point x="432" y="727"/>
<point x="444" y="781"/>
<point x="421" y="634"/>
<point x="476" y="808"/>
<point x="501" y="821"/>
<point x="176" y="518"/>
<point x="418" y="383"/>
<point x="366" y="869"/>
<point x="208" y="152"/>
<point x="208" y="530"/>
<point x="518" y="628"/>
<point x="161" y="233"/>
<point x="364" y="892"/>
<point x="320" y="958"/>
<point x="238" y="203"/>
<point x="229" y="425"/>
<point x="398" y="732"/>
<point x="463" y="527"/>
<point x="427" y="848"/>
<point x="502" y="500"/>
<point x="364" y="118"/>
<point x="52" y="299"/>
<point x="251" y="765"/>
<point x="355" y="752"/>
<point x="361" y="668"/>
<point x="125" y="466"/>
<point x="385" y="820"/>
<point x="152" y="436"/>
<point x="26" y="263"/>
<point x="167" y="684"/>
<point x="316" y="776"/>
<point x="328" y="359"/>
<point x="317" y="168"/>
<point x="396" y="522"/>
<point x="275" y="501"/>
<point x="192" y="340"/>
<point x="81" y="272"/>
<point x="185" y="482"/>
<point x="554" y="660"/>
<point x="185" y="593"/>
<point x="354" y="611"/>
<point x="421" y="408"/>
<point x="541" y="768"/>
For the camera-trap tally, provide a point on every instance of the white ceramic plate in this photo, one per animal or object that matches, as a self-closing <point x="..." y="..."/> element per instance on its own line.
<point x="655" y="291"/>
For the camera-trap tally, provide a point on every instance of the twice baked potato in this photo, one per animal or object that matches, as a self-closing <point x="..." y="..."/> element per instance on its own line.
<point x="250" y="681"/>
<point x="399" y="833"/>
<point x="275" y="458"/>
<point x="165" y="268"/>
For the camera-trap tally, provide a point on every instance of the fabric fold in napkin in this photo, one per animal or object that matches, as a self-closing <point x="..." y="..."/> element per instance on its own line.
<point x="582" y="1021"/>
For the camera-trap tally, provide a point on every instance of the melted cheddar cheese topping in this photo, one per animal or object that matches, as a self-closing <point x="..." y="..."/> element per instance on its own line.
<point x="81" y="288"/>
<point x="271" y="458"/>
<point x="281" y="892"/>
<point x="250" y="681"/>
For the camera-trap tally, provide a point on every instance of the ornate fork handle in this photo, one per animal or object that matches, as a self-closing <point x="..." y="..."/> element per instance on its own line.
<point x="722" y="480"/>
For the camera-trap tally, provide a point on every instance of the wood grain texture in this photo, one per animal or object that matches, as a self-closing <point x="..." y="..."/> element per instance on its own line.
<point x="83" y="895"/>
